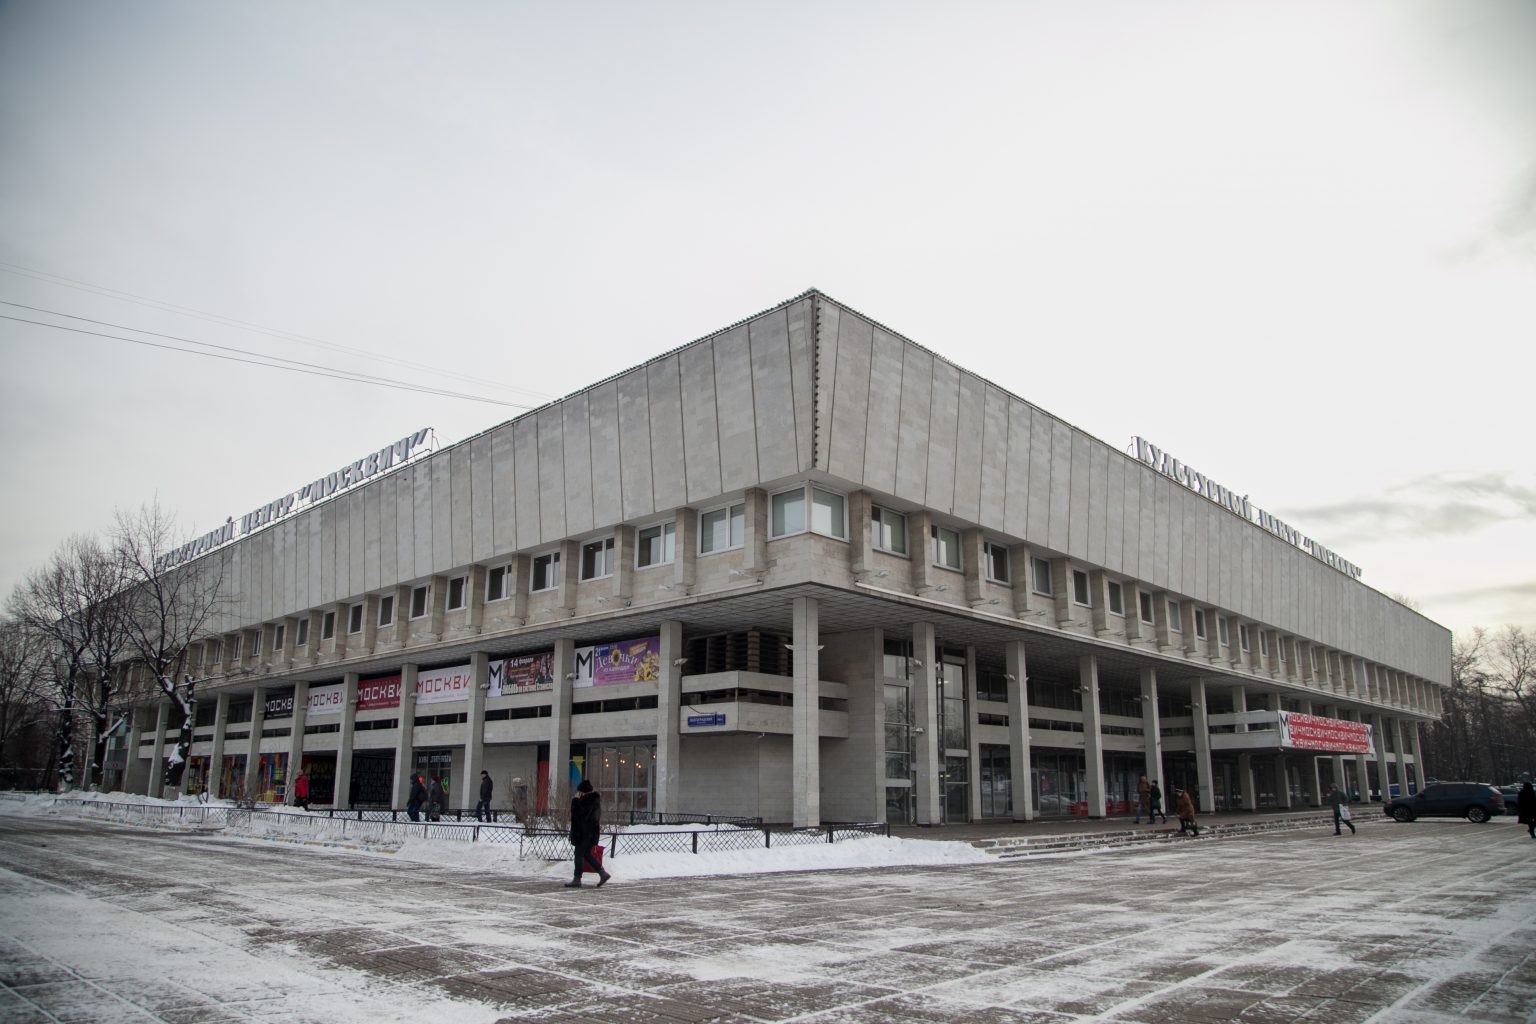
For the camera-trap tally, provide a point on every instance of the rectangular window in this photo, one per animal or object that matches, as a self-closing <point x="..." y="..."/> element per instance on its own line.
<point x="1080" y="588"/>
<point x="1263" y="643"/>
<point x="234" y="649"/>
<point x="722" y="529"/>
<point x="386" y="610"/>
<point x="1042" y="569"/>
<point x="418" y="602"/>
<point x="829" y="514"/>
<point x="657" y="545"/>
<point x="1281" y="644"/>
<point x="457" y="588"/>
<point x="1116" y="598"/>
<point x="997" y="563"/>
<point x="327" y="625"/>
<point x="1242" y="635"/>
<point x="888" y="530"/>
<point x="597" y="559"/>
<point x="1145" y="603"/>
<point x="546" y="572"/>
<point x="215" y="651"/>
<point x="497" y="580"/>
<point x="946" y="547"/>
<point x="789" y="512"/>
<point x="279" y="633"/>
<point x="1175" y="617"/>
<point x="301" y="635"/>
<point x="254" y="647"/>
<point x="355" y="619"/>
<point x="1200" y="623"/>
<point x="1312" y="657"/>
<point x="1223" y="633"/>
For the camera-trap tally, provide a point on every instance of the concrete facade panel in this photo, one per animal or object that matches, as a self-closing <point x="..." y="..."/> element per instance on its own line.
<point x="1130" y="520"/>
<point x="916" y="419"/>
<point x="1156" y="571"/>
<point x="1039" y="522"/>
<point x="669" y="483"/>
<point x="802" y="369"/>
<point x="850" y="399"/>
<point x="1059" y="537"/>
<point x="389" y="532"/>
<point x="461" y="506"/>
<point x="503" y="509"/>
<point x="701" y="425"/>
<point x="422" y="519"/>
<point x="373" y="540"/>
<point x="735" y="407"/>
<point x="882" y="430"/>
<point x="773" y="397"/>
<point x="634" y="447"/>
<point x="605" y="480"/>
<point x="970" y="445"/>
<point x="443" y="543"/>
<point x="525" y="444"/>
<point x="1114" y="518"/>
<point x="552" y="473"/>
<point x="482" y="497"/>
<point x="578" y="452"/>
<point x="995" y="458"/>
<point x="943" y="437"/>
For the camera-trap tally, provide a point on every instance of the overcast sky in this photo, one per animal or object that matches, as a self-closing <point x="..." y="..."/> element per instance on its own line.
<point x="1292" y="243"/>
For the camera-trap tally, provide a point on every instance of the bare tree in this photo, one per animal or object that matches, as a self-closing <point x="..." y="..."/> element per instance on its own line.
<point x="169" y="607"/>
<point x="26" y="694"/>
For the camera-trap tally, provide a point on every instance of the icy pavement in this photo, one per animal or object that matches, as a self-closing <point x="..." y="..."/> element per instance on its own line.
<point x="1425" y="923"/>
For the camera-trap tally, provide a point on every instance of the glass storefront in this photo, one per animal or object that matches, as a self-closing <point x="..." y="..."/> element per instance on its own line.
<point x="624" y="774"/>
<point x="1060" y="783"/>
<point x="995" y="771"/>
<point x="898" y="752"/>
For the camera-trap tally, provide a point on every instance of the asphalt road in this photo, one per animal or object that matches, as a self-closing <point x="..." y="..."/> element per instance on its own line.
<point x="1425" y="923"/>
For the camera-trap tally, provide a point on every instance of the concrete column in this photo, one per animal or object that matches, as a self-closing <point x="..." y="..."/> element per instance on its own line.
<point x="928" y="752"/>
<point x="686" y="536"/>
<point x="560" y="722"/>
<point x="134" y="739"/>
<point x="669" y="704"/>
<point x="1362" y="774"/>
<point x="1282" y="778"/>
<point x="973" y="745"/>
<point x="343" y="796"/>
<point x="1379" y="741"/>
<point x="296" y="736"/>
<point x="253" y="754"/>
<point x="157" y="752"/>
<point x="1151" y="727"/>
<point x="1400" y="755"/>
<point x="474" y="730"/>
<point x="1020" y="775"/>
<point x="216" y="758"/>
<point x="1247" y="799"/>
<point x="1093" y="733"/>
<point x="405" y="737"/>
<point x="805" y="755"/>
<point x="1201" y="717"/>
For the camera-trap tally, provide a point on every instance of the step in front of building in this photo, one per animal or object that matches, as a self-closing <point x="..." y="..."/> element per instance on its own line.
<point x="1016" y="848"/>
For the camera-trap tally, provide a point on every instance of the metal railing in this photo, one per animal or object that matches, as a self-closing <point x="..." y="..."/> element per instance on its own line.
<point x="385" y="824"/>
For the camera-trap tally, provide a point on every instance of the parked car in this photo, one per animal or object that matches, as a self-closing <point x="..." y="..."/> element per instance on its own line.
<point x="1511" y="798"/>
<point x="1474" y="801"/>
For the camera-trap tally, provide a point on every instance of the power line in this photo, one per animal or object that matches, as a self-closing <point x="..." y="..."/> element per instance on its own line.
<point x="216" y="318"/>
<point x="296" y="367"/>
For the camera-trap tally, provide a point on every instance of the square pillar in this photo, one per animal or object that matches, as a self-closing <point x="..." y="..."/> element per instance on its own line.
<point x="296" y="736"/>
<point x="669" y="704"/>
<point x="1020" y="776"/>
<point x="1151" y="727"/>
<point x="157" y="752"/>
<point x="405" y="737"/>
<point x="343" y="796"/>
<point x="216" y="759"/>
<point x="805" y="755"/>
<point x="1201" y="721"/>
<point x="474" y="730"/>
<point x="928" y="750"/>
<point x="1093" y="733"/>
<point x="253" y="754"/>
<point x="560" y="721"/>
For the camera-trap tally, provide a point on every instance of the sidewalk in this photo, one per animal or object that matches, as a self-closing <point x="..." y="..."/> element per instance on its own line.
<point x="991" y="832"/>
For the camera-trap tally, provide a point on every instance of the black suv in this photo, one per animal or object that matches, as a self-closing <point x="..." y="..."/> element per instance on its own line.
<point x="1471" y="800"/>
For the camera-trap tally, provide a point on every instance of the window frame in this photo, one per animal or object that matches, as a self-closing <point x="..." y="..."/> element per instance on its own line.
<point x="1036" y="564"/>
<point x="386" y="615"/>
<point x="1114" y="598"/>
<point x="1200" y="630"/>
<point x="550" y="560"/>
<point x="328" y="625"/>
<point x="1245" y="638"/>
<point x="604" y="566"/>
<point x="1082" y="589"/>
<point x="301" y="632"/>
<point x="1223" y="631"/>
<point x="355" y="619"/>
<point x="461" y="582"/>
<point x="808" y="495"/>
<point x="279" y="634"/>
<point x="733" y="512"/>
<point x="1175" y="617"/>
<point x="503" y="575"/>
<point x="421" y="597"/>
<point x="939" y="548"/>
<point x="879" y="527"/>
<point x="1145" y="612"/>
<point x="991" y="553"/>
<point x="666" y="536"/>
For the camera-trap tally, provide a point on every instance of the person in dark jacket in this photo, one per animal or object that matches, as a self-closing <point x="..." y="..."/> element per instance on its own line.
<point x="1143" y="800"/>
<point x="1155" y="804"/>
<point x="586" y="823"/>
<point x="485" y="798"/>
<point x="1185" y="808"/>
<point x="1340" y="804"/>
<point x="436" y="799"/>
<point x="1525" y="807"/>
<point x="416" y="799"/>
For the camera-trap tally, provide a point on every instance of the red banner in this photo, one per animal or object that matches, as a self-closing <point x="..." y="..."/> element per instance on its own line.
<point x="1310" y="732"/>
<point x="383" y="692"/>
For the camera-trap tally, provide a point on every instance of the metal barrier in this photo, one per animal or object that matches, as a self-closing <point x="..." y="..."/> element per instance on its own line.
<point x="535" y="843"/>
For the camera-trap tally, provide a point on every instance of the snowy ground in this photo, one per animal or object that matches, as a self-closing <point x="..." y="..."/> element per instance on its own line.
<point x="1420" y="924"/>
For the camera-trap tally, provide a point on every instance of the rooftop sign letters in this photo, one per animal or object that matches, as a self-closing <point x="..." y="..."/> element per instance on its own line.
<point x="370" y="465"/>
<point x="1172" y="468"/>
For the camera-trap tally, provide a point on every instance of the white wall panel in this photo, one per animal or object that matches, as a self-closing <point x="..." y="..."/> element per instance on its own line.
<point x="701" y="427"/>
<point x="581" y="475"/>
<point x="882" y="424"/>
<point x="552" y="473"/>
<point x="970" y="444"/>
<point x="995" y="457"/>
<point x="916" y="419"/>
<point x="733" y="397"/>
<point x="1059" y="537"/>
<point x="669" y="482"/>
<point x="634" y="448"/>
<point x="772" y="397"/>
<point x="460" y="508"/>
<point x="1098" y="510"/>
<point x="504" y="502"/>
<point x="850" y="403"/>
<point x="944" y="426"/>
<point x="1040" y="467"/>
<point x="482" y="497"/>
<point x="802" y="364"/>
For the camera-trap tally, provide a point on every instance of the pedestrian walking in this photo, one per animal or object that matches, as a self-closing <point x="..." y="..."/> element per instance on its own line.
<point x="1143" y="800"/>
<point x="586" y="824"/>
<point x="1155" y="804"/>
<point x="485" y="797"/>
<point x="301" y="791"/>
<point x="1185" y="808"/>
<point x="1340" y="804"/>
<point x="436" y="799"/>
<point x="1525" y="807"/>
<point x="416" y="799"/>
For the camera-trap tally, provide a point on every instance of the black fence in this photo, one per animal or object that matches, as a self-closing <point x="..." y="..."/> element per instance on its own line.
<point x="389" y="825"/>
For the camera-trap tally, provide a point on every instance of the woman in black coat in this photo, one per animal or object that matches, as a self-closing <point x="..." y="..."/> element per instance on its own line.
<point x="586" y="823"/>
<point x="1525" y="807"/>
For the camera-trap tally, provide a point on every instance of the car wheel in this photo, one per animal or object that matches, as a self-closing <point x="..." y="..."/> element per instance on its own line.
<point x="1402" y="814"/>
<point x="1477" y="814"/>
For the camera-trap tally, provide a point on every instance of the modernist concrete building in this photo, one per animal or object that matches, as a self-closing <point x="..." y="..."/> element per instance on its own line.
<point x="804" y="569"/>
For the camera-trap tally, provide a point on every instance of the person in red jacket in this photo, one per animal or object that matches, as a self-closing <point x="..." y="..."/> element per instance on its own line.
<point x="1186" y="811"/>
<point x="301" y="791"/>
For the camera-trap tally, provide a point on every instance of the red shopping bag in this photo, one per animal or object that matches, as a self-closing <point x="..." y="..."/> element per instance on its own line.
<point x="597" y="855"/>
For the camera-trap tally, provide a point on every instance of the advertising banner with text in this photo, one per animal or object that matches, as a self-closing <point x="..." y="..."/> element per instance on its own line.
<point x="326" y="700"/>
<point x="1311" y="732"/>
<point x="526" y="673"/>
<point x="627" y="661"/>
<point x="383" y="692"/>
<point x="441" y="685"/>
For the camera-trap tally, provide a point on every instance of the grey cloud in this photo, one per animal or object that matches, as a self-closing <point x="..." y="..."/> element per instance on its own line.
<point x="1442" y="504"/>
